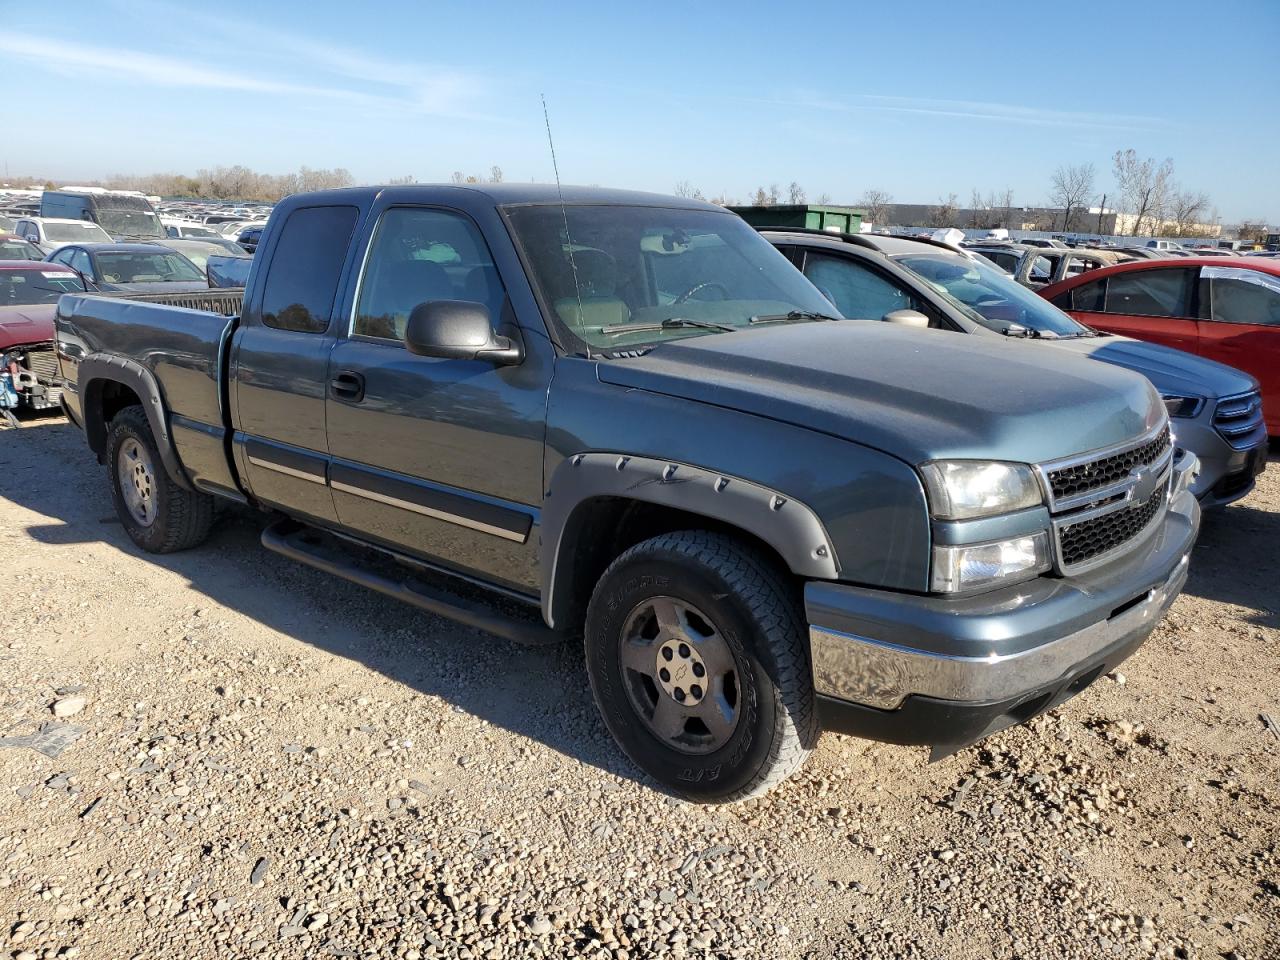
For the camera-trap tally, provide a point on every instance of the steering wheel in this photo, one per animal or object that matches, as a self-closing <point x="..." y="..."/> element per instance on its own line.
<point x="724" y="291"/>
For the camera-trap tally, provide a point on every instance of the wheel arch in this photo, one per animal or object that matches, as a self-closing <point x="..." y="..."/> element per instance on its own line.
<point x="107" y="385"/>
<point x="599" y="504"/>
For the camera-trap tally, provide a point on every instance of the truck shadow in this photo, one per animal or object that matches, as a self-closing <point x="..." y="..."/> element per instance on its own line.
<point x="540" y="693"/>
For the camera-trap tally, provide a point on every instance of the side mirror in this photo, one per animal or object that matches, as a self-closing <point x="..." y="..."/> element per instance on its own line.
<point x="458" y="330"/>
<point x="33" y="238"/>
<point x="906" y="318"/>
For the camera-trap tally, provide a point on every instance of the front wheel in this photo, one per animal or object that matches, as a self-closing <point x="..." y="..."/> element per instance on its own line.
<point x="158" y="514"/>
<point x="697" y="659"/>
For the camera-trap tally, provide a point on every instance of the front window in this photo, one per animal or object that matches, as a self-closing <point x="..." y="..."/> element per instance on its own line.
<point x="1236" y="295"/>
<point x="76" y="233"/>
<point x="25" y="288"/>
<point x="990" y="297"/>
<point x="857" y="291"/>
<point x="625" y="276"/>
<point x="146" y="268"/>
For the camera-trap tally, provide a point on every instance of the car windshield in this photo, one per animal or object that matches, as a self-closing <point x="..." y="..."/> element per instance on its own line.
<point x="146" y="268"/>
<point x="194" y="231"/>
<point x="618" y="277"/>
<point x="15" y="249"/>
<point x="73" y="232"/>
<point x="991" y="297"/>
<point x="124" y="219"/>
<point x="29" y="287"/>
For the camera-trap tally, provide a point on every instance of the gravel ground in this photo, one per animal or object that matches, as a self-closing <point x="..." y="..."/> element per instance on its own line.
<point x="261" y="761"/>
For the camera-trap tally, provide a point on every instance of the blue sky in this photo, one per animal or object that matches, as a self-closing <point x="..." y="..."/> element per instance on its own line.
<point x="917" y="98"/>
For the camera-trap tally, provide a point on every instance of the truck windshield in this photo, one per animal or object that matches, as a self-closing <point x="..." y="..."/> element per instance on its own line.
<point x="618" y="277"/>
<point x="127" y="217"/>
<point x="146" y="268"/>
<point x="992" y="298"/>
<point x="25" y="288"/>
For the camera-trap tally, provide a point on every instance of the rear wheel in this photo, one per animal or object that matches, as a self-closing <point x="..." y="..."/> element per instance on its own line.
<point x="158" y="515"/>
<point x="697" y="659"/>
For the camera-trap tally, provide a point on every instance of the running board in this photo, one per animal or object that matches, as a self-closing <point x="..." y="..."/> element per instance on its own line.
<point x="299" y="543"/>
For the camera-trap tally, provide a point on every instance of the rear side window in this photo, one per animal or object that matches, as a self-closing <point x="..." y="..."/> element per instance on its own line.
<point x="304" y="273"/>
<point x="1235" y="295"/>
<point x="1150" y="293"/>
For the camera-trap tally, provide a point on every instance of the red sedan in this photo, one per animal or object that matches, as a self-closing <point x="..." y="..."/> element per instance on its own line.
<point x="1226" y="309"/>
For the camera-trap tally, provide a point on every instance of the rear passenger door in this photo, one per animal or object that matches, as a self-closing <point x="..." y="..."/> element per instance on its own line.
<point x="280" y="359"/>
<point x="439" y="458"/>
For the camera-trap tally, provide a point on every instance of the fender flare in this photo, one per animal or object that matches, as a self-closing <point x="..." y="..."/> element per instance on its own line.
<point x="788" y="526"/>
<point x="99" y="369"/>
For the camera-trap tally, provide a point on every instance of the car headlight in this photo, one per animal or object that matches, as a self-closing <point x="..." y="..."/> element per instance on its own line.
<point x="963" y="489"/>
<point x="973" y="565"/>
<point x="1182" y="407"/>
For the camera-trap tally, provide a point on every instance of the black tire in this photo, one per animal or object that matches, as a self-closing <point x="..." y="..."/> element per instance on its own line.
<point x="181" y="518"/>
<point x="749" y="606"/>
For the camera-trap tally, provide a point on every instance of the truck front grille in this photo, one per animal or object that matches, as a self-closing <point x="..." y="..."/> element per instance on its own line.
<point x="1072" y="481"/>
<point x="1089" y="539"/>
<point x="43" y="363"/>
<point x="1238" y="420"/>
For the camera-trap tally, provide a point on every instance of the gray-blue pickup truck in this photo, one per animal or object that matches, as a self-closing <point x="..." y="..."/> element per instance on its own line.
<point x="626" y="418"/>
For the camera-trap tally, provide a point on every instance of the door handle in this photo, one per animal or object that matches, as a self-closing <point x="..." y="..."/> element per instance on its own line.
<point x="348" y="386"/>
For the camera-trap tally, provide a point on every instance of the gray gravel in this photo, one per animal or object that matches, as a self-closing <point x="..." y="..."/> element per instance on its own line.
<point x="275" y="764"/>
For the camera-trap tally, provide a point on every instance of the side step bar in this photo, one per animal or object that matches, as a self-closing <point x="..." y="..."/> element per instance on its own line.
<point x="289" y="540"/>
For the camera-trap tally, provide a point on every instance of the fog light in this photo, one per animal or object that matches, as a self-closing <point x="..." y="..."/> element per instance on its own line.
<point x="981" y="564"/>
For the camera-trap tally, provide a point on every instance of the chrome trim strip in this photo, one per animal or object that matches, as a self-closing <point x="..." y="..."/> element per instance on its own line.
<point x="429" y="512"/>
<point x="287" y="471"/>
<point x="882" y="675"/>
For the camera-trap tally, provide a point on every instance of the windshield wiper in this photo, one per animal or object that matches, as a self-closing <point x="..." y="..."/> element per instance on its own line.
<point x="671" y="323"/>
<point x="791" y="317"/>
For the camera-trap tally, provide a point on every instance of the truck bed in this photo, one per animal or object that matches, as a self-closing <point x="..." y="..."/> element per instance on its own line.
<point x="178" y="341"/>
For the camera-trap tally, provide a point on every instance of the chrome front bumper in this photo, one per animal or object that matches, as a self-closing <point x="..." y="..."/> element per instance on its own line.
<point x="877" y="650"/>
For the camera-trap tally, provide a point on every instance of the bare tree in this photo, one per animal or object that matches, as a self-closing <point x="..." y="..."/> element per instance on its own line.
<point x="1252" y="231"/>
<point x="1187" y="209"/>
<point x="824" y="199"/>
<point x="775" y="194"/>
<point x="1144" y="187"/>
<point x="400" y="181"/>
<point x="684" y="189"/>
<point x="877" y="204"/>
<point x="795" y="194"/>
<point x="459" y="177"/>
<point x="495" y="174"/>
<point x="976" y="213"/>
<point x="1071" y="187"/>
<point x="944" y="214"/>
<point x="761" y="199"/>
<point x="1004" y="203"/>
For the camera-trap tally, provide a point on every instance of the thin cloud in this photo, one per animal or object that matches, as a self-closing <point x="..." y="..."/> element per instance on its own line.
<point x="430" y="95"/>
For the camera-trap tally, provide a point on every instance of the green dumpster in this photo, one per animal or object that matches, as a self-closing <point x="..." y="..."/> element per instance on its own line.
<point x="808" y="215"/>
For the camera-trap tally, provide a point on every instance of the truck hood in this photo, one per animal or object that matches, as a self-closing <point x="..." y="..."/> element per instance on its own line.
<point x="916" y="394"/>
<point x="1172" y="371"/>
<point x="26" y="324"/>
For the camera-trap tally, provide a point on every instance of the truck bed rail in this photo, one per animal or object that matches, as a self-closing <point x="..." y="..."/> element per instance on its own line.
<point x="226" y="301"/>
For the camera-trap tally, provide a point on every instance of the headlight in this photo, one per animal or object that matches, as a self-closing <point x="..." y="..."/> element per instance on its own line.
<point x="978" y="564"/>
<point x="961" y="489"/>
<point x="1182" y="407"/>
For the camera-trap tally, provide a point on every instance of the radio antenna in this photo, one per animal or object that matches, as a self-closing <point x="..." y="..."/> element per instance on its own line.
<point x="573" y="266"/>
